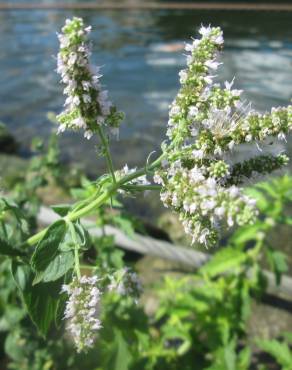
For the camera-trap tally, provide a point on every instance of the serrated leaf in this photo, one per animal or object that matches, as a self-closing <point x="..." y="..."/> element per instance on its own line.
<point x="40" y="300"/>
<point x="224" y="260"/>
<point x="58" y="267"/>
<point x="47" y="249"/>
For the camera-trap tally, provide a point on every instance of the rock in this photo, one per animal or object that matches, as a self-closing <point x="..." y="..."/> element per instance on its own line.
<point x="7" y="142"/>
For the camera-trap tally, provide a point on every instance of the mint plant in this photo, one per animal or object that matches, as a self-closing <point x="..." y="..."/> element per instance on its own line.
<point x="195" y="174"/>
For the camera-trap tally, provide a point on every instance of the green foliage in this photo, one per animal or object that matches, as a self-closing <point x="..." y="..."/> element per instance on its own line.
<point x="279" y="350"/>
<point x="201" y="319"/>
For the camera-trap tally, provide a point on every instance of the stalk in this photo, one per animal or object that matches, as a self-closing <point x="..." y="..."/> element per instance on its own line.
<point x="109" y="192"/>
<point x="108" y="156"/>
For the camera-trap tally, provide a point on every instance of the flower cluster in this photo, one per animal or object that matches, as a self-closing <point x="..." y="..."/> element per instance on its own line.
<point x="206" y="123"/>
<point x="126" y="282"/>
<point x="87" y="106"/>
<point x="82" y="311"/>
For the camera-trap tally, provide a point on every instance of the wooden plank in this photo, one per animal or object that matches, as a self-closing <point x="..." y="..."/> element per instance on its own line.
<point x="162" y="249"/>
<point x="224" y="6"/>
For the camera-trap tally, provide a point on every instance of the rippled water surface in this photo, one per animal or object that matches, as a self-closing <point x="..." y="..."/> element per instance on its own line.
<point x="141" y="52"/>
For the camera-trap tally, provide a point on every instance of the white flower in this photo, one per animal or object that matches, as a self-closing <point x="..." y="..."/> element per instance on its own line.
<point x="88" y="134"/>
<point x="212" y="64"/>
<point x="198" y="154"/>
<point x="193" y="111"/>
<point x="183" y="76"/>
<point x="82" y="311"/>
<point x="282" y="136"/>
<point x="205" y="31"/>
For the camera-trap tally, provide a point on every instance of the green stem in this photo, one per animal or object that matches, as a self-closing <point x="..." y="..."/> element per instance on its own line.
<point x="76" y="249"/>
<point x="109" y="192"/>
<point x="107" y="153"/>
<point x="141" y="187"/>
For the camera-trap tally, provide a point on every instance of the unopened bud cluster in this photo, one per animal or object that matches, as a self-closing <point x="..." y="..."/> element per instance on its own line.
<point x="125" y="282"/>
<point x="206" y="122"/>
<point x="87" y="106"/>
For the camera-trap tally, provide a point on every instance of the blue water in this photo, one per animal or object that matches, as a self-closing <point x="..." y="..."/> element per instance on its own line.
<point x="141" y="52"/>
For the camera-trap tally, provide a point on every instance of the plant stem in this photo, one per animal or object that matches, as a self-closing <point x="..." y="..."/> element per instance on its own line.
<point x="141" y="187"/>
<point x="110" y="191"/>
<point x="107" y="153"/>
<point x="76" y="249"/>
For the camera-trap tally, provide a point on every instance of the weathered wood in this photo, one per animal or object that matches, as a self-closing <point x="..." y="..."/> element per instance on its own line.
<point x="162" y="249"/>
<point x="111" y="5"/>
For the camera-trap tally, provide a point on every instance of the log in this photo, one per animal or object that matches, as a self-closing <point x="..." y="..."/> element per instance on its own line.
<point x="158" y="248"/>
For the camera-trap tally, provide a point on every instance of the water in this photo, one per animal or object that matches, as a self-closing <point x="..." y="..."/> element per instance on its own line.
<point x="141" y="54"/>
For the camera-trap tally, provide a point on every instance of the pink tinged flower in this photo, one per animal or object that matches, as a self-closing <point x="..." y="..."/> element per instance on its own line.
<point x="219" y="40"/>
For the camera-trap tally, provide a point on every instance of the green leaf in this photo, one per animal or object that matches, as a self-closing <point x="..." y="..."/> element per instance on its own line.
<point x="280" y="351"/>
<point x="118" y="355"/>
<point x="125" y="225"/>
<point x="61" y="264"/>
<point x="40" y="300"/>
<point x="247" y="233"/>
<point x="83" y="236"/>
<point x="244" y="359"/>
<point x="278" y="263"/>
<point x="47" y="248"/>
<point x="61" y="209"/>
<point x="224" y="260"/>
<point x="8" y="250"/>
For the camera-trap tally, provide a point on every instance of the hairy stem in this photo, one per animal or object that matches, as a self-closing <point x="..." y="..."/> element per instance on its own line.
<point x="101" y="199"/>
<point x="107" y="153"/>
